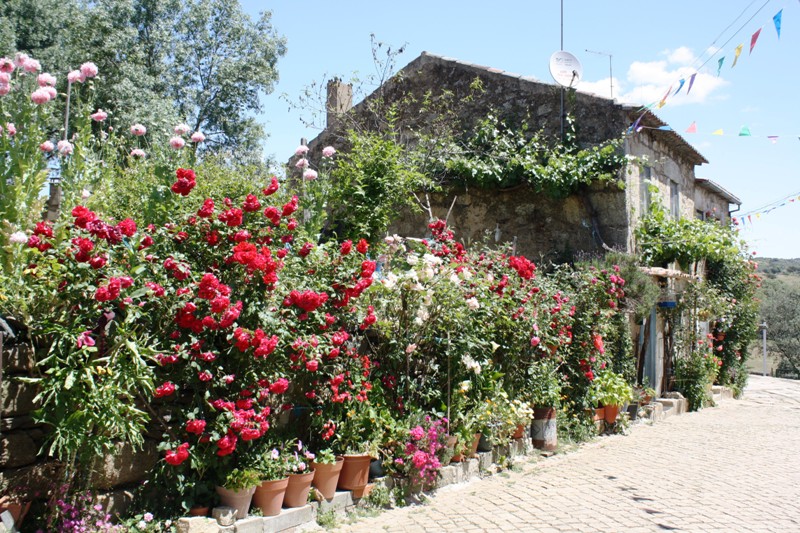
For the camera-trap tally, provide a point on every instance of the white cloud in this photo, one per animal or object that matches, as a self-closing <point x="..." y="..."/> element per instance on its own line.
<point x="681" y="56"/>
<point x="648" y="81"/>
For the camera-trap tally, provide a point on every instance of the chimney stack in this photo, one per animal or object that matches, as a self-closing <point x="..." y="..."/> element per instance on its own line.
<point x="340" y="99"/>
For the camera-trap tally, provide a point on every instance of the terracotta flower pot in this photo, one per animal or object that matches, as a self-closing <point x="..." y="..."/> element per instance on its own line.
<point x="199" y="510"/>
<point x="355" y="472"/>
<point x="520" y="431"/>
<point x="269" y="496"/>
<point x="326" y="477"/>
<point x="297" y="489"/>
<point x="452" y="440"/>
<point x="599" y="414"/>
<point x="544" y="433"/>
<point x="239" y="500"/>
<point x="611" y="412"/>
<point x="474" y="446"/>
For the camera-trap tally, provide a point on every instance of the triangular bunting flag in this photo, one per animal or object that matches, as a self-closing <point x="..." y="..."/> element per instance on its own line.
<point x="692" y="128"/>
<point x="682" y="81"/>
<point x="718" y="132"/>
<point x="738" y="52"/>
<point x="665" y="128"/>
<point x="691" y="82"/>
<point x="777" y="20"/>
<point x="749" y="219"/>
<point x="719" y="64"/>
<point x="773" y="139"/>
<point x="663" y="101"/>
<point x="744" y="132"/>
<point x="753" y="39"/>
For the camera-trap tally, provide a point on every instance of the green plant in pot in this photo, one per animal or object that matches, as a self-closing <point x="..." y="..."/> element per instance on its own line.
<point x="273" y="479"/>
<point x="612" y="391"/>
<point x="237" y="489"/>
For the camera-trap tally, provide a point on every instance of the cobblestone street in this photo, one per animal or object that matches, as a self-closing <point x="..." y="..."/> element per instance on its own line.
<point x="735" y="467"/>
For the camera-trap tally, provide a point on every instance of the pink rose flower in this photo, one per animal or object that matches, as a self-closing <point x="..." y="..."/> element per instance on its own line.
<point x="138" y="130"/>
<point x="18" y="237"/>
<point x="328" y="151"/>
<point x="89" y="69"/>
<point x="65" y="147"/>
<point x="181" y="129"/>
<point x="177" y="143"/>
<point x="198" y="137"/>
<point x="40" y="96"/>
<point x="47" y="147"/>
<point x="99" y="115"/>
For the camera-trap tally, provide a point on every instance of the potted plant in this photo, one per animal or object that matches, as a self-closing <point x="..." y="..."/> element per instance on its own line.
<point x="301" y="475"/>
<point x="545" y="395"/>
<point x="237" y="489"/>
<point x="327" y="467"/>
<point x="357" y="439"/>
<point x="611" y="391"/>
<point x="522" y="415"/>
<point x="273" y="480"/>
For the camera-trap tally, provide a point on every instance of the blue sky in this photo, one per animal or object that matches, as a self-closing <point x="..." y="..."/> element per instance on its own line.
<point x="652" y="44"/>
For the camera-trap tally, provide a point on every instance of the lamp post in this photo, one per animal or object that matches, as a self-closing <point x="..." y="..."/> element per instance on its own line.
<point x="763" y="328"/>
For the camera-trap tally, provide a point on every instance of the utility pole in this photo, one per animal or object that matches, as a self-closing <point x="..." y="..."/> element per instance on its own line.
<point x="563" y="115"/>
<point x="763" y="328"/>
<point x="610" y="72"/>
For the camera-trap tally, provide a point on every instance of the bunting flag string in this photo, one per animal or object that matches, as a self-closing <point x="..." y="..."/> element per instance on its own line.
<point x="744" y="131"/>
<point x="777" y="21"/>
<point x="746" y="217"/>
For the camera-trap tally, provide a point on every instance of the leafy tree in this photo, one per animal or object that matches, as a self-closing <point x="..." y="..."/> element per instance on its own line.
<point x="781" y="310"/>
<point x="161" y="61"/>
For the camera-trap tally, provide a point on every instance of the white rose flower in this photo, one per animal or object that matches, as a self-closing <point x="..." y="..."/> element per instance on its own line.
<point x="472" y="303"/>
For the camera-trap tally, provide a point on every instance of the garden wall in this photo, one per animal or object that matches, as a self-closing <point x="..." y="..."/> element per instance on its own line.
<point x="26" y="472"/>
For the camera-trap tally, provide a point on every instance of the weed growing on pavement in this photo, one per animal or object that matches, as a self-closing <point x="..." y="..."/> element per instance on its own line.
<point x="327" y="519"/>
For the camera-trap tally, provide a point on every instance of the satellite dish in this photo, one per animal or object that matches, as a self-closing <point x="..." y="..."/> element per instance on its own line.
<point x="565" y="68"/>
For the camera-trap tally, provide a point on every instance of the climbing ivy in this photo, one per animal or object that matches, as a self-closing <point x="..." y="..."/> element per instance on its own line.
<point x="499" y="155"/>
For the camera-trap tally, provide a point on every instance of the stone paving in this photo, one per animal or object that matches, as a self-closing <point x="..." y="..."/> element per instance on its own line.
<point x="735" y="467"/>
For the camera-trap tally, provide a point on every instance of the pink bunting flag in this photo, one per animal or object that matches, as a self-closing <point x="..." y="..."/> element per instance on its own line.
<point x="753" y="39"/>
<point x="692" y="128"/>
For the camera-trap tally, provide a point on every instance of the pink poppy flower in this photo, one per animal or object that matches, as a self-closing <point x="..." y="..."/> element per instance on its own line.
<point x="310" y="175"/>
<point x="65" y="147"/>
<point x="31" y="65"/>
<point x="99" y="115"/>
<point x="198" y="137"/>
<point x="40" y="96"/>
<point x="45" y="79"/>
<point x="89" y="69"/>
<point x="75" y="76"/>
<point x="138" y="130"/>
<point x="47" y="147"/>
<point x="301" y="150"/>
<point x="328" y="151"/>
<point x="177" y="143"/>
<point x="137" y="152"/>
<point x="6" y="65"/>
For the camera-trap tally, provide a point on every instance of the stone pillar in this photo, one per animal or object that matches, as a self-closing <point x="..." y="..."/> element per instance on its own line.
<point x="54" y="202"/>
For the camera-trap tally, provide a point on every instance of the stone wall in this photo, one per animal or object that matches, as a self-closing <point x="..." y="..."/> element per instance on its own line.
<point x="25" y="471"/>
<point x="541" y="225"/>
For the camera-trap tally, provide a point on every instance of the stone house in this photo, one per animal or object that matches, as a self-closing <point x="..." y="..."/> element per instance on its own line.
<point x="600" y="218"/>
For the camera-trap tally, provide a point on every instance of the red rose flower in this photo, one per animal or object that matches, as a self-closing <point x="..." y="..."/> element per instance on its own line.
<point x="165" y="389"/>
<point x="196" y="427"/>
<point x="362" y="246"/>
<point x="272" y="187"/>
<point x="176" y="457"/>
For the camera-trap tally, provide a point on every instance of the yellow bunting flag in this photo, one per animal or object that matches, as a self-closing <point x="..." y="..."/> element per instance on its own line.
<point x="738" y="52"/>
<point x="718" y="132"/>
